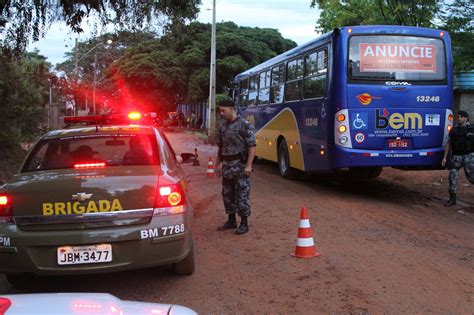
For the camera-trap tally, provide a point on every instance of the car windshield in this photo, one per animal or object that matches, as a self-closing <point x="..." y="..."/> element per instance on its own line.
<point x="113" y="150"/>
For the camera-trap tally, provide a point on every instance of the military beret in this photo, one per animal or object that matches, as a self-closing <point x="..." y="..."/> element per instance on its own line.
<point x="463" y="113"/>
<point x="227" y="103"/>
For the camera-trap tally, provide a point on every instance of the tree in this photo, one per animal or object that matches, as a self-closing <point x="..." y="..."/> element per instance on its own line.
<point x="80" y="81"/>
<point x="23" y="95"/>
<point x="161" y="73"/>
<point x="457" y="17"/>
<point x="372" y="12"/>
<point x="27" y="20"/>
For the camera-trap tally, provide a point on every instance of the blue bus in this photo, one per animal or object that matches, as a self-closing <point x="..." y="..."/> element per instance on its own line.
<point x="357" y="98"/>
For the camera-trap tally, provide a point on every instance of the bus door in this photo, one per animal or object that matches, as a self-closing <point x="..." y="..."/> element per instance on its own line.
<point x="313" y="123"/>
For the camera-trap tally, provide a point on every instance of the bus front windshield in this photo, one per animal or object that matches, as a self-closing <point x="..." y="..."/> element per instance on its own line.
<point x="390" y="57"/>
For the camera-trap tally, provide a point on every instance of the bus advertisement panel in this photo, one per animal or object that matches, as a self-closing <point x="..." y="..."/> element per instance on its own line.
<point x="358" y="97"/>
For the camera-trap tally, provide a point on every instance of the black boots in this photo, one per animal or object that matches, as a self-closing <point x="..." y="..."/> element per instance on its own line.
<point x="231" y="223"/>
<point x="451" y="201"/>
<point x="243" y="227"/>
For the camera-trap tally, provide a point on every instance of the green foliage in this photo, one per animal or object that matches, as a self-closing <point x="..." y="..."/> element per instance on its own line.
<point x="457" y="17"/>
<point x="23" y="93"/>
<point x="175" y="68"/>
<point x="28" y="20"/>
<point x="336" y="13"/>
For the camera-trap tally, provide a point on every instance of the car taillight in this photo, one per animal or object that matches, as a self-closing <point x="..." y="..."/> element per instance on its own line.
<point x="169" y="199"/>
<point x="4" y="305"/>
<point x="5" y="209"/>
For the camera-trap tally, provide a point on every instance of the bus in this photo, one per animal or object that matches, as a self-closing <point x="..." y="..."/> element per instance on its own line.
<point x="359" y="98"/>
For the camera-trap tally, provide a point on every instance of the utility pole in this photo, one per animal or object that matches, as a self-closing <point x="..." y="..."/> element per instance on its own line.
<point x="76" y="64"/>
<point x="50" y="103"/>
<point x="95" y="83"/>
<point x="77" y="59"/>
<point x="212" y="81"/>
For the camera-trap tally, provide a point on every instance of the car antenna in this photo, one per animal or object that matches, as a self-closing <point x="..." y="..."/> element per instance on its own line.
<point x="96" y="124"/>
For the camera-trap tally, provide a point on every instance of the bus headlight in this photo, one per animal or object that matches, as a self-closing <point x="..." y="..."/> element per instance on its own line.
<point x="343" y="140"/>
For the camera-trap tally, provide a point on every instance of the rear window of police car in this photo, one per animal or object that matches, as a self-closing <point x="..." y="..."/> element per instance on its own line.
<point x="112" y="150"/>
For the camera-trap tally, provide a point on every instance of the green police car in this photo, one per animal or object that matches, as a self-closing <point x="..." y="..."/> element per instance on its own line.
<point x="104" y="194"/>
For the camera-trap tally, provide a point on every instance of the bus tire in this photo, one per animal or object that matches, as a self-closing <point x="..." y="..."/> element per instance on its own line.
<point x="363" y="173"/>
<point x="286" y="171"/>
<point x="185" y="266"/>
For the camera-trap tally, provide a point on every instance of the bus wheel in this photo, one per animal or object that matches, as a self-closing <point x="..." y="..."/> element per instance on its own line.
<point x="284" y="162"/>
<point x="365" y="172"/>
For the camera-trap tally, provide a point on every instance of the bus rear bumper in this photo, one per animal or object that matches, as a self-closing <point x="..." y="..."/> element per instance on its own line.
<point x="404" y="159"/>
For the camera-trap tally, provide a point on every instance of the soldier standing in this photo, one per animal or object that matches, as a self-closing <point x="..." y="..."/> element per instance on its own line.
<point x="461" y="142"/>
<point x="236" y="152"/>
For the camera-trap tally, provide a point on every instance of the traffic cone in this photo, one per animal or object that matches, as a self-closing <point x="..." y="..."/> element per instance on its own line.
<point x="196" y="160"/>
<point x="305" y="247"/>
<point x="210" y="169"/>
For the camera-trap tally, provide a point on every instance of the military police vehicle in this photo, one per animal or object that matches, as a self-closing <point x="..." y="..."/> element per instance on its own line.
<point x="104" y="194"/>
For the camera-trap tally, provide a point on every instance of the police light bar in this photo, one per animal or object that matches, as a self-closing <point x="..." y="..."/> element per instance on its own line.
<point x="133" y="117"/>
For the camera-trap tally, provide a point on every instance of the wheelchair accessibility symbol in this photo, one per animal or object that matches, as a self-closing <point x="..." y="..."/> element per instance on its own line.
<point x="360" y="122"/>
<point x="359" y="137"/>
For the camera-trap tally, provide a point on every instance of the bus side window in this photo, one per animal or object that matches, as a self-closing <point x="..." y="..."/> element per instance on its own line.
<point x="315" y="74"/>
<point x="243" y="95"/>
<point x="322" y="61"/>
<point x="253" y="90"/>
<point x="277" y="84"/>
<point x="264" y="90"/>
<point x="294" y="79"/>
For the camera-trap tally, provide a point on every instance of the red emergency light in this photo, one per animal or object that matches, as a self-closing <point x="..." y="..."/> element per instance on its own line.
<point x="132" y="117"/>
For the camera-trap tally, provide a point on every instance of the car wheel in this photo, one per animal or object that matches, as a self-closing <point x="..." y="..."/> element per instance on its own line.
<point x="286" y="171"/>
<point x="185" y="266"/>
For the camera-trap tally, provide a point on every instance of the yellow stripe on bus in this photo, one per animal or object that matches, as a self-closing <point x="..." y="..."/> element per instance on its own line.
<point x="284" y="124"/>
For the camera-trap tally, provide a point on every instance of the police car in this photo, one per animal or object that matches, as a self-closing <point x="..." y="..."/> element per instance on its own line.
<point x="107" y="193"/>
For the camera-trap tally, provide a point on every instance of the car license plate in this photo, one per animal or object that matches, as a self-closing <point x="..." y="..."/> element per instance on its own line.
<point x="398" y="143"/>
<point x="91" y="254"/>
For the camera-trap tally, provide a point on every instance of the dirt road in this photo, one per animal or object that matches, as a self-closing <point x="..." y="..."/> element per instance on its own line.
<point x="387" y="246"/>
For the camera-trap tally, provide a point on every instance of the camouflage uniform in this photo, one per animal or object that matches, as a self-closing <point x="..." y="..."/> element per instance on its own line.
<point x="462" y="146"/>
<point x="235" y="139"/>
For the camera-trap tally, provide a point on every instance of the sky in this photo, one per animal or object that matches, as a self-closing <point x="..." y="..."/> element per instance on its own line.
<point x="294" y="19"/>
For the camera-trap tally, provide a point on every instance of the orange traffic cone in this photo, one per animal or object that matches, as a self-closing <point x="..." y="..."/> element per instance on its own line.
<point x="210" y="169"/>
<point x="305" y="247"/>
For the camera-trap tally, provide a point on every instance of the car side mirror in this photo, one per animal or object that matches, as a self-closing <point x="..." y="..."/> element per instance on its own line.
<point x="188" y="157"/>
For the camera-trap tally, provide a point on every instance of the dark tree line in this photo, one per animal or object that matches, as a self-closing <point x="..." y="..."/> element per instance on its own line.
<point x="457" y="17"/>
